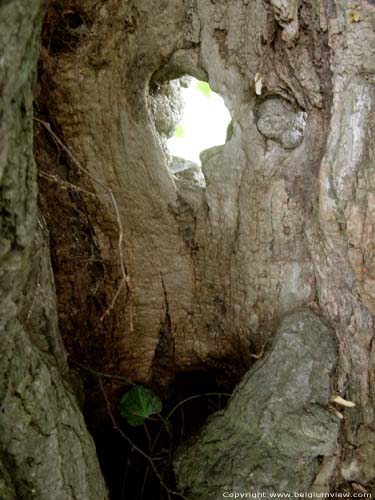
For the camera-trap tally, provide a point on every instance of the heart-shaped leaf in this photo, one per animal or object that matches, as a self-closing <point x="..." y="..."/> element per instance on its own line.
<point x="138" y="404"/>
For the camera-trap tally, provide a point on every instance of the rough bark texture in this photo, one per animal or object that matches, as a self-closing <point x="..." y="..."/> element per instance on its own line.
<point x="285" y="219"/>
<point x="275" y="428"/>
<point x="45" y="449"/>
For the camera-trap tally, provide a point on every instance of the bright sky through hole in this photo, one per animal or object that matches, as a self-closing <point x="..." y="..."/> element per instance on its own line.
<point x="203" y="125"/>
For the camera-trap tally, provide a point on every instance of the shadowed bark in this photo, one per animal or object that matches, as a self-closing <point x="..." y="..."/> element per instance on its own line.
<point x="45" y="449"/>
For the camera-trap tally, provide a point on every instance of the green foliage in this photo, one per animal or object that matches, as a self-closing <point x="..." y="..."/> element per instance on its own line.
<point x="204" y="88"/>
<point x="138" y="404"/>
<point x="179" y="131"/>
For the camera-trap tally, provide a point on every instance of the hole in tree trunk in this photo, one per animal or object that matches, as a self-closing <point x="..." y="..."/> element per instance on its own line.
<point x="204" y="122"/>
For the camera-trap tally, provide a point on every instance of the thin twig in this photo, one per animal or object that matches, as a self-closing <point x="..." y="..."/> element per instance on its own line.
<point x="125" y="277"/>
<point x="101" y="374"/>
<point x="135" y="447"/>
<point x="148" y="439"/>
<point x="108" y="311"/>
<point x="260" y="354"/>
<point x="64" y="184"/>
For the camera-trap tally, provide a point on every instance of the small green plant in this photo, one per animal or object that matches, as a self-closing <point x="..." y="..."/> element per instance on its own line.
<point x="138" y="404"/>
<point x="179" y="131"/>
<point x="204" y="88"/>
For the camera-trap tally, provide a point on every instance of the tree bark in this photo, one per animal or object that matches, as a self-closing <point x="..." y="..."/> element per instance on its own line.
<point x="285" y="220"/>
<point x="45" y="449"/>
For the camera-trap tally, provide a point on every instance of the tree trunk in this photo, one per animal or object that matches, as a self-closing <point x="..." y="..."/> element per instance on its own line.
<point x="45" y="449"/>
<point x="156" y="275"/>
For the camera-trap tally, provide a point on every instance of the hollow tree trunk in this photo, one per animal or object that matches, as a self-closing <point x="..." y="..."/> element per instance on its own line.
<point x="45" y="449"/>
<point x="287" y="214"/>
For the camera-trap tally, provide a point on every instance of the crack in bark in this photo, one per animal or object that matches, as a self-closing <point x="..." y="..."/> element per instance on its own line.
<point x="163" y="365"/>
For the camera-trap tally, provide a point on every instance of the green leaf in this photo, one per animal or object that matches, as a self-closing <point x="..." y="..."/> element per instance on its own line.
<point x="179" y="131"/>
<point x="204" y="88"/>
<point x="138" y="404"/>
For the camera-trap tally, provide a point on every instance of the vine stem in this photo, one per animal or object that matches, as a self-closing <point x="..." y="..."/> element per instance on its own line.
<point x="180" y="403"/>
<point x="135" y="447"/>
<point x="124" y="273"/>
